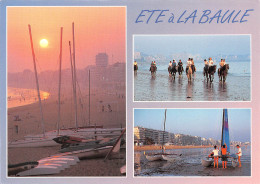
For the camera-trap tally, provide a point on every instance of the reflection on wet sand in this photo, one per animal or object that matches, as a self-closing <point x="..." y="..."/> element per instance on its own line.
<point x="162" y="87"/>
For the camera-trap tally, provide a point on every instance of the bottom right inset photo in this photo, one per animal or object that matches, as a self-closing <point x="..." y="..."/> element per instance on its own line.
<point x="192" y="142"/>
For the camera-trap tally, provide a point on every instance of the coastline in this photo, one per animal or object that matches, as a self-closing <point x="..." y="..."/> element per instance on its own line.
<point x="157" y="147"/>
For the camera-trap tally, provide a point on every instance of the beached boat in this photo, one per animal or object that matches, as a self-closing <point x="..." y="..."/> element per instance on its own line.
<point x="224" y="140"/>
<point x="162" y="156"/>
<point x="51" y="165"/>
<point x="87" y="144"/>
<point x="170" y="157"/>
<point x="154" y="157"/>
<point x="13" y="169"/>
<point x="207" y="162"/>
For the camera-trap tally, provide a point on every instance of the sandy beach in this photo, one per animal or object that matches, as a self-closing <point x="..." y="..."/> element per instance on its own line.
<point x="189" y="164"/>
<point x="29" y="123"/>
<point x="164" y="88"/>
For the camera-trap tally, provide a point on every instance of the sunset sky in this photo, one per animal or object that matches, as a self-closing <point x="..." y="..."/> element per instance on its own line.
<point x="97" y="29"/>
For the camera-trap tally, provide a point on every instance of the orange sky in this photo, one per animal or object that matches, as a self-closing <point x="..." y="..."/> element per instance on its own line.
<point x="97" y="29"/>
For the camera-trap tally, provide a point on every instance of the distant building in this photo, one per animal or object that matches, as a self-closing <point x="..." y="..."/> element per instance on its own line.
<point x="101" y="60"/>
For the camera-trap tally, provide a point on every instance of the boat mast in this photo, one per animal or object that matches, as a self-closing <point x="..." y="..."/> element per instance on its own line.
<point x="37" y="83"/>
<point x="223" y="121"/>
<point x="58" y="123"/>
<point x="75" y="79"/>
<point x="164" y="128"/>
<point x="89" y="99"/>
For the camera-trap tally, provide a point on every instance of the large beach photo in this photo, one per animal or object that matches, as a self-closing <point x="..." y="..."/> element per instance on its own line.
<point x="192" y="142"/>
<point x="66" y="91"/>
<point x="192" y="67"/>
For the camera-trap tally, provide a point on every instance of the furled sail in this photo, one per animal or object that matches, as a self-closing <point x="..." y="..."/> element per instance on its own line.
<point x="225" y="130"/>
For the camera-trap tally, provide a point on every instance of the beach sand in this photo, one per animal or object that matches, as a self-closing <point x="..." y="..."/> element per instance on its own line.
<point x="30" y="123"/>
<point x="164" y="88"/>
<point x="188" y="164"/>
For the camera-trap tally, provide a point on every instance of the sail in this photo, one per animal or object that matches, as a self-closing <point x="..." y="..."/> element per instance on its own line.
<point x="225" y="130"/>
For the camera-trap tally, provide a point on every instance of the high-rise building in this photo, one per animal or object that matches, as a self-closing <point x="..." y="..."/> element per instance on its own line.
<point x="101" y="60"/>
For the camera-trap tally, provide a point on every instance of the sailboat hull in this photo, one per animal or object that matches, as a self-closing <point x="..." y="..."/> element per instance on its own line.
<point x="154" y="157"/>
<point x="170" y="158"/>
<point x="206" y="163"/>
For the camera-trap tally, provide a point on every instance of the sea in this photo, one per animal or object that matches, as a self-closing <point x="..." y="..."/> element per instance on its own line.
<point x="162" y="87"/>
<point x="189" y="164"/>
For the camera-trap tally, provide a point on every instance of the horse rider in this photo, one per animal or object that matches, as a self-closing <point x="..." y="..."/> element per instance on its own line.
<point x="211" y="62"/>
<point x="135" y="65"/>
<point x="180" y="63"/>
<point x="192" y="66"/>
<point x="206" y="66"/>
<point x="170" y="64"/>
<point x="174" y="63"/>
<point x="188" y="65"/>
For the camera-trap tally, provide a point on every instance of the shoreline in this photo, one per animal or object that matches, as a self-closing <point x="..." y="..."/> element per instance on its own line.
<point x="18" y="97"/>
<point x="153" y="147"/>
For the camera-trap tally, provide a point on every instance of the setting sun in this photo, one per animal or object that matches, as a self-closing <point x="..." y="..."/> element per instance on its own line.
<point x="44" y="43"/>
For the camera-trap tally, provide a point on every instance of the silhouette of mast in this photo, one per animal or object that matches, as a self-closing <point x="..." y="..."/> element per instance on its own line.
<point x="37" y="83"/>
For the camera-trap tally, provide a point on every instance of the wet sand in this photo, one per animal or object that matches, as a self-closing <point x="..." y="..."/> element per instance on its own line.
<point x="189" y="164"/>
<point x="30" y="124"/>
<point x="161" y="87"/>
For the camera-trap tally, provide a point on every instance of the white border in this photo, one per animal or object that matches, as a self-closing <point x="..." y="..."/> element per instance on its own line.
<point x="202" y="101"/>
<point x="6" y="141"/>
<point x="204" y="177"/>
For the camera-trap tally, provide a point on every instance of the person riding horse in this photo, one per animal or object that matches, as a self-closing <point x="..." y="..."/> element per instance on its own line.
<point x="193" y="66"/>
<point x="223" y="70"/>
<point x="206" y="68"/>
<point x="180" y="67"/>
<point x="189" y="63"/>
<point x="153" y="67"/>
<point x="212" y="69"/>
<point x="135" y="66"/>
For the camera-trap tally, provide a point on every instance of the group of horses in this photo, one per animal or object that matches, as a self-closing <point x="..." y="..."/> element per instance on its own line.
<point x="208" y="72"/>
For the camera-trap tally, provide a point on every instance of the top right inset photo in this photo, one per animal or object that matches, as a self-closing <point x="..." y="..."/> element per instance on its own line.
<point x="192" y="67"/>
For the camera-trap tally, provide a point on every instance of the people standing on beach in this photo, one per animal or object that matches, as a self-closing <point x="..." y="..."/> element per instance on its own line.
<point x="215" y="155"/>
<point x="224" y="156"/>
<point x="239" y="154"/>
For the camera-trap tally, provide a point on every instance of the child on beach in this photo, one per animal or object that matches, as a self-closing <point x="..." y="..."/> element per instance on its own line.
<point x="215" y="154"/>
<point x="239" y="154"/>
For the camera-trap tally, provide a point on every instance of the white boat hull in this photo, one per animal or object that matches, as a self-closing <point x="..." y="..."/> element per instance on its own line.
<point x="206" y="163"/>
<point x="154" y="157"/>
<point x="169" y="158"/>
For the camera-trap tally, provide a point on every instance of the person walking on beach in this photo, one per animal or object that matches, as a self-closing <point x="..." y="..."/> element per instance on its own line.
<point x="224" y="156"/>
<point x="215" y="155"/>
<point x="239" y="154"/>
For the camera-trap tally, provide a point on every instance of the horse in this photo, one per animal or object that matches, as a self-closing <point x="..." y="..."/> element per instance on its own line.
<point x="180" y="69"/>
<point x="193" y="68"/>
<point x="212" y="70"/>
<point x="172" y="71"/>
<point x="135" y="67"/>
<point x="189" y="73"/>
<point x="222" y="72"/>
<point x="206" y="72"/>
<point x="153" y="69"/>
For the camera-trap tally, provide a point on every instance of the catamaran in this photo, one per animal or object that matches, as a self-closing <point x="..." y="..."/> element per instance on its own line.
<point x="224" y="140"/>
